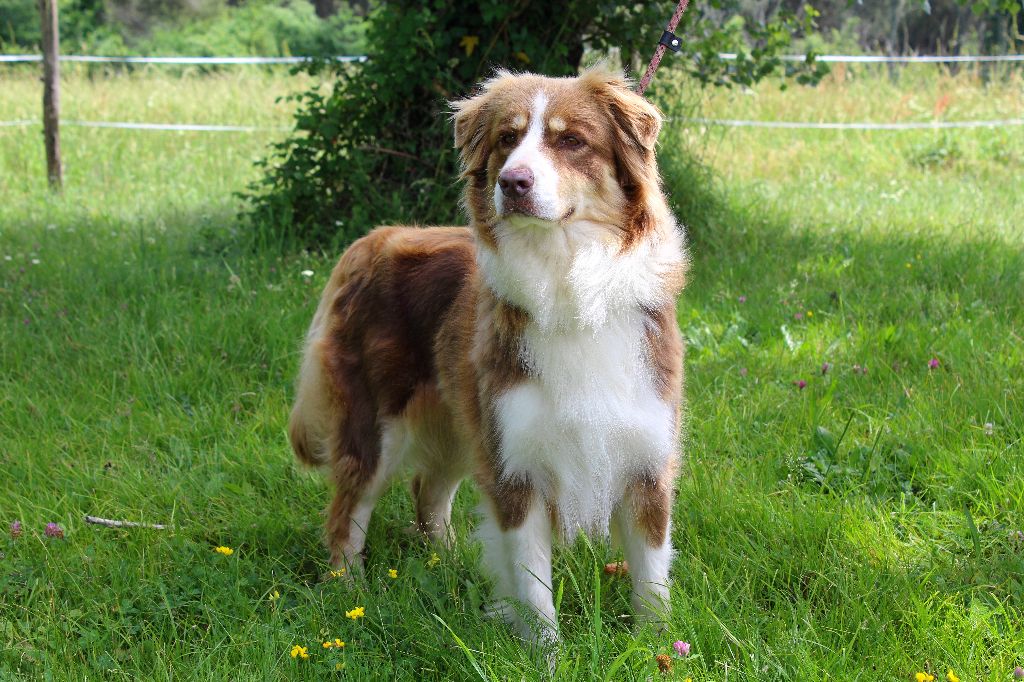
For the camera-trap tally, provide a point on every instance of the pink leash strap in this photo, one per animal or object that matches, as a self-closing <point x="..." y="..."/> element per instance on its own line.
<point x="669" y="41"/>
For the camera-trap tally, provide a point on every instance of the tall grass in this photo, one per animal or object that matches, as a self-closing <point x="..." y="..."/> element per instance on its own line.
<point x="862" y="527"/>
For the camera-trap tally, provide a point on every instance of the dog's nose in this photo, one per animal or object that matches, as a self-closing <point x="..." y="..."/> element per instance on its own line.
<point x="515" y="182"/>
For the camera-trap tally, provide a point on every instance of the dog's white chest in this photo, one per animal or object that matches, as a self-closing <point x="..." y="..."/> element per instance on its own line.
<point x="588" y="421"/>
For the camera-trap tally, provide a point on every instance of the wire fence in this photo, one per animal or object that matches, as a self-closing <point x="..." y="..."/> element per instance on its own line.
<point x="212" y="61"/>
<point x="892" y="59"/>
<point x="732" y="123"/>
<point x="728" y="56"/>
<point x="864" y="125"/>
<point x="721" y="122"/>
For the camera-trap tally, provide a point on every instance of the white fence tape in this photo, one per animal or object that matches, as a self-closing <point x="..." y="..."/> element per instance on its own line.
<point x="187" y="127"/>
<point x="830" y="58"/>
<point x="731" y="123"/>
<point x="894" y="59"/>
<point x="177" y="60"/>
<point x="191" y="127"/>
<point x="810" y="125"/>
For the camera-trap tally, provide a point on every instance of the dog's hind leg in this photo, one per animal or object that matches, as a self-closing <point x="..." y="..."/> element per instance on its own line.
<point x="434" y="493"/>
<point x="439" y="459"/>
<point x="356" y="492"/>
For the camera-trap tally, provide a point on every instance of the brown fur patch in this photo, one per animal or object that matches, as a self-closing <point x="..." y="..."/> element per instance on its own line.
<point x="650" y="501"/>
<point x="371" y="350"/>
<point x="511" y="499"/>
<point x="665" y="345"/>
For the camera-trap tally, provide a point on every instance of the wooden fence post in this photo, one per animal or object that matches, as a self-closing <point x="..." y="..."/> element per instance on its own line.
<point x="51" y="91"/>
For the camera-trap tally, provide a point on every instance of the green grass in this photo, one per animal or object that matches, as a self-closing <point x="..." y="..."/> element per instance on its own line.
<point x="856" y="529"/>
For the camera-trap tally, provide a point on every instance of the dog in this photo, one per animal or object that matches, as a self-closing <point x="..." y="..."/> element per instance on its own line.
<point x="536" y="351"/>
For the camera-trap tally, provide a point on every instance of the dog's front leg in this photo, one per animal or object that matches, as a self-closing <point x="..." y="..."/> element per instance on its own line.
<point x="516" y="534"/>
<point x="642" y="526"/>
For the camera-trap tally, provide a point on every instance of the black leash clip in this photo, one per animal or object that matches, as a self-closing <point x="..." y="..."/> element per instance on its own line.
<point x="671" y="41"/>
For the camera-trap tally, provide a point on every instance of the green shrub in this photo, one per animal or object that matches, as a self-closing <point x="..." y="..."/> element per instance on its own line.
<point x="374" y="145"/>
<point x="271" y="29"/>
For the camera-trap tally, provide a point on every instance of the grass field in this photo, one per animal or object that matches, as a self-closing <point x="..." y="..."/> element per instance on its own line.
<point x="863" y="527"/>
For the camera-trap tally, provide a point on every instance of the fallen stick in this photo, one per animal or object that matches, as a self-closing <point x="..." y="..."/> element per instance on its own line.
<point x="113" y="523"/>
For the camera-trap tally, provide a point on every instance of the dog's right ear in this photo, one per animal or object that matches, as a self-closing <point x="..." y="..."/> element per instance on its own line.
<point x="470" y="120"/>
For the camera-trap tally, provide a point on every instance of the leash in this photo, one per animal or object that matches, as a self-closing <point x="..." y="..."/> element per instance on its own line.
<point x="668" y="41"/>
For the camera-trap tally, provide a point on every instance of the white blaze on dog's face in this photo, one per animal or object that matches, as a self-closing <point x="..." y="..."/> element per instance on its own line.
<point x="528" y="180"/>
<point x="545" y="152"/>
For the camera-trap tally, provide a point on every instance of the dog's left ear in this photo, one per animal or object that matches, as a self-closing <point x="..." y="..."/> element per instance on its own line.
<point x="635" y="116"/>
<point x="636" y="124"/>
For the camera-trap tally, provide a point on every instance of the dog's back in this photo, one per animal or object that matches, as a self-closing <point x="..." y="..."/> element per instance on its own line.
<point x="370" y="345"/>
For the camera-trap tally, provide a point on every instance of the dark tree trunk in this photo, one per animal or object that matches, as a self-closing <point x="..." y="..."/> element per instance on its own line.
<point x="325" y="8"/>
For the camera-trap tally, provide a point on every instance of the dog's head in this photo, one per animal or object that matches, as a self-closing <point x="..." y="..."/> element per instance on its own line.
<point x="542" y="152"/>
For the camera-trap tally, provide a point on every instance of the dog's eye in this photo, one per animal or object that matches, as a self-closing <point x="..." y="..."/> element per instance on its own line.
<point x="508" y="139"/>
<point x="570" y="142"/>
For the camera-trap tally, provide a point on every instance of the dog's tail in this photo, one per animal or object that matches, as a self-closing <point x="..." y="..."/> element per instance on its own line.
<point x="308" y="428"/>
<point x="314" y="411"/>
<point x="318" y="413"/>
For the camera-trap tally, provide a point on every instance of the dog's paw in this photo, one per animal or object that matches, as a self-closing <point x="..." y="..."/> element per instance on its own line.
<point x="332" y="574"/>
<point x="345" y="569"/>
<point x="543" y="642"/>
<point x="501" y="610"/>
<point x="654" y="616"/>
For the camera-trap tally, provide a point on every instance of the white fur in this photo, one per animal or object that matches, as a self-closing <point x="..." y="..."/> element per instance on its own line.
<point x="648" y="566"/>
<point x="588" y="420"/>
<point x="529" y="153"/>
<point x="519" y="560"/>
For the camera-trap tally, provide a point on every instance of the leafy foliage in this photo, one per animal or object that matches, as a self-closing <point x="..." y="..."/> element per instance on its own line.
<point x="197" y="27"/>
<point x="375" y="145"/>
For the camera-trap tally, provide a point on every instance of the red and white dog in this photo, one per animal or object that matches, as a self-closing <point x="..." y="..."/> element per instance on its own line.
<point x="536" y="351"/>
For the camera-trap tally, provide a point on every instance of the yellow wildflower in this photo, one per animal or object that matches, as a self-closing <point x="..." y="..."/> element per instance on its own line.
<point x="924" y="677"/>
<point x="434" y="560"/>
<point x="226" y="551"/>
<point x="275" y="595"/>
<point x="339" y="666"/>
<point x="951" y="676"/>
<point x="336" y="644"/>
<point x="392" y="573"/>
<point x="357" y="612"/>
<point x="300" y="652"/>
<point x="810" y="313"/>
<point x="337" y="574"/>
<point x="469" y="44"/>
